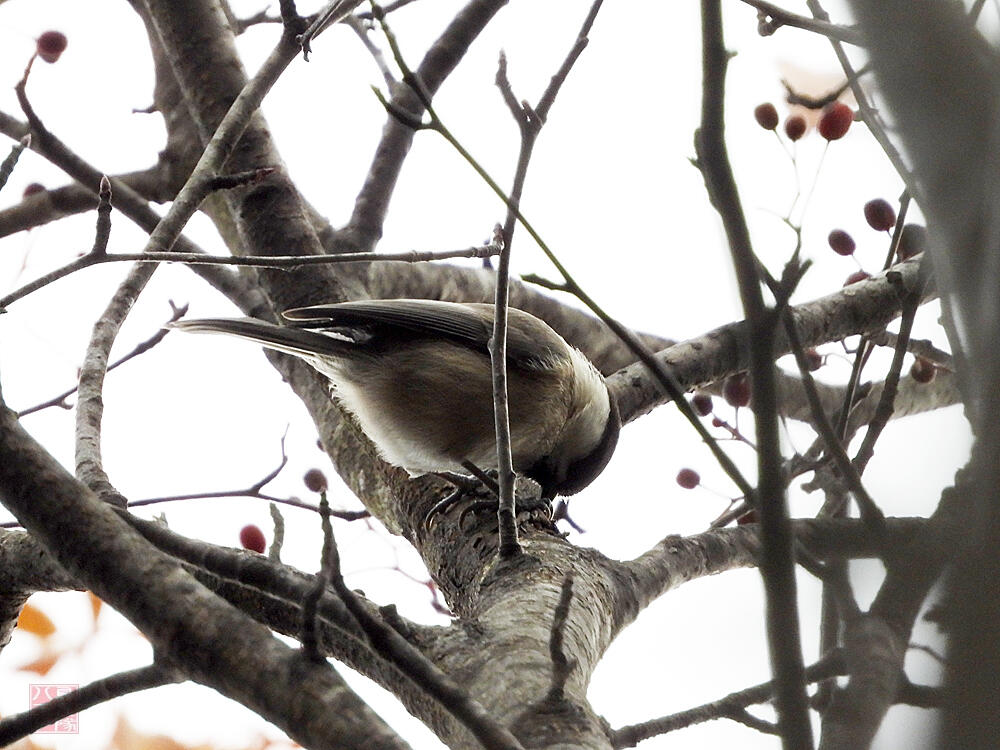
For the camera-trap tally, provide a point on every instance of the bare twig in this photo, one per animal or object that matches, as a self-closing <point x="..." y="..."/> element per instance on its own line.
<point x="145" y="346"/>
<point x="870" y="512"/>
<point x="885" y="406"/>
<point x="920" y="347"/>
<point x="103" y="232"/>
<point x="775" y="17"/>
<point x="278" y="537"/>
<point x="127" y="201"/>
<point x="329" y="562"/>
<point x="530" y="121"/>
<point x="508" y="545"/>
<point x="562" y="666"/>
<point x="868" y="113"/>
<point x="286" y="262"/>
<point x="360" y="28"/>
<point x="7" y="167"/>
<point x="239" y="179"/>
<point x="254" y="490"/>
<point x="335" y="12"/>
<point x="16" y="726"/>
<point x="777" y="563"/>
<point x="90" y="408"/>
<point x="830" y="665"/>
<point x="663" y="375"/>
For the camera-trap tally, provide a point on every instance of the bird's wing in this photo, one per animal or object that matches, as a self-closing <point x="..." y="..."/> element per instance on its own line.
<point x="470" y="325"/>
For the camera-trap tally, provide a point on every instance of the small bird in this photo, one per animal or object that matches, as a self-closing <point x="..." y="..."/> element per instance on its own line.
<point x="416" y="375"/>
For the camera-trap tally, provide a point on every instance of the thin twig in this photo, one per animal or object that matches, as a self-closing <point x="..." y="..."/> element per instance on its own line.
<point x="7" y="167"/>
<point x="562" y="666"/>
<point x="777" y="564"/>
<point x="284" y="262"/>
<point x="868" y="113"/>
<point x="278" y="537"/>
<point x="239" y="179"/>
<point x="103" y="231"/>
<point x="335" y="12"/>
<point x="921" y="347"/>
<point x="254" y="490"/>
<point x="16" y="726"/>
<point x="778" y="16"/>
<point x="90" y="408"/>
<point x="642" y="352"/>
<point x="127" y="200"/>
<point x="508" y="546"/>
<point x="309" y="626"/>
<point x="831" y="665"/>
<point x="870" y="511"/>
<point x="223" y="141"/>
<point x="883" y="412"/>
<point x="145" y="346"/>
<point x="360" y="28"/>
<point x="530" y="121"/>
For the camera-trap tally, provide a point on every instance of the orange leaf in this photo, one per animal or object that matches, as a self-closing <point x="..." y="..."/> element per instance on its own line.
<point x="95" y="604"/>
<point x="33" y="620"/>
<point x="42" y="664"/>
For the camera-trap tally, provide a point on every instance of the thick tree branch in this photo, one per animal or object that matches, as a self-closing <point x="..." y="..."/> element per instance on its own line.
<point x="210" y="641"/>
<point x="676" y="560"/>
<point x="859" y="308"/>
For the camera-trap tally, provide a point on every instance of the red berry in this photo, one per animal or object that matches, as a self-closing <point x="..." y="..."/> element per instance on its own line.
<point x="716" y="422"/>
<point x="814" y="360"/>
<point x="841" y="242"/>
<point x="702" y="403"/>
<point x="835" y="121"/>
<point x="34" y="187"/>
<point x="766" y="116"/>
<point x="912" y="240"/>
<point x="688" y="478"/>
<point x="795" y="127"/>
<point x="252" y="538"/>
<point x="50" y="45"/>
<point x="315" y="480"/>
<point x="857" y="276"/>
<point x="880" y="215"/>
<point x="736" y="389"/>
<point x="748" y="517"/>
<point x="922" y="370"/>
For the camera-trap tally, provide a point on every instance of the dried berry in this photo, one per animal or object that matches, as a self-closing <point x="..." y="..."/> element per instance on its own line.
<point x="766" y="116"/>
<point x="315" y="480"/>
<point x="736" y="389"/>
<point x="841" y="242"/>
<point x="702" y="404"/>
<point x="688" y="478"/>
<point x="50" y="45"/>
<point x="912" y="240"/>
<point x="814" y="360"/>
<point x="835" y="121"/>
<point x="795" y="127"/>
<point x="252" y="538"/>
<point x="880" y="215"/>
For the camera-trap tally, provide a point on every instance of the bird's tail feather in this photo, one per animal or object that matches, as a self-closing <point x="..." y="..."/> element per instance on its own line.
<point x="281" y="338"/>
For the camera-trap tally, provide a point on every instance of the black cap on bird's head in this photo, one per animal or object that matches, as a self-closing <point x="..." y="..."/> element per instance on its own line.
<point x="580" y="472"/>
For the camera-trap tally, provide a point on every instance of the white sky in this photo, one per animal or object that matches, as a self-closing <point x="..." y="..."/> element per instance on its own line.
<point x="612" y="191"/>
